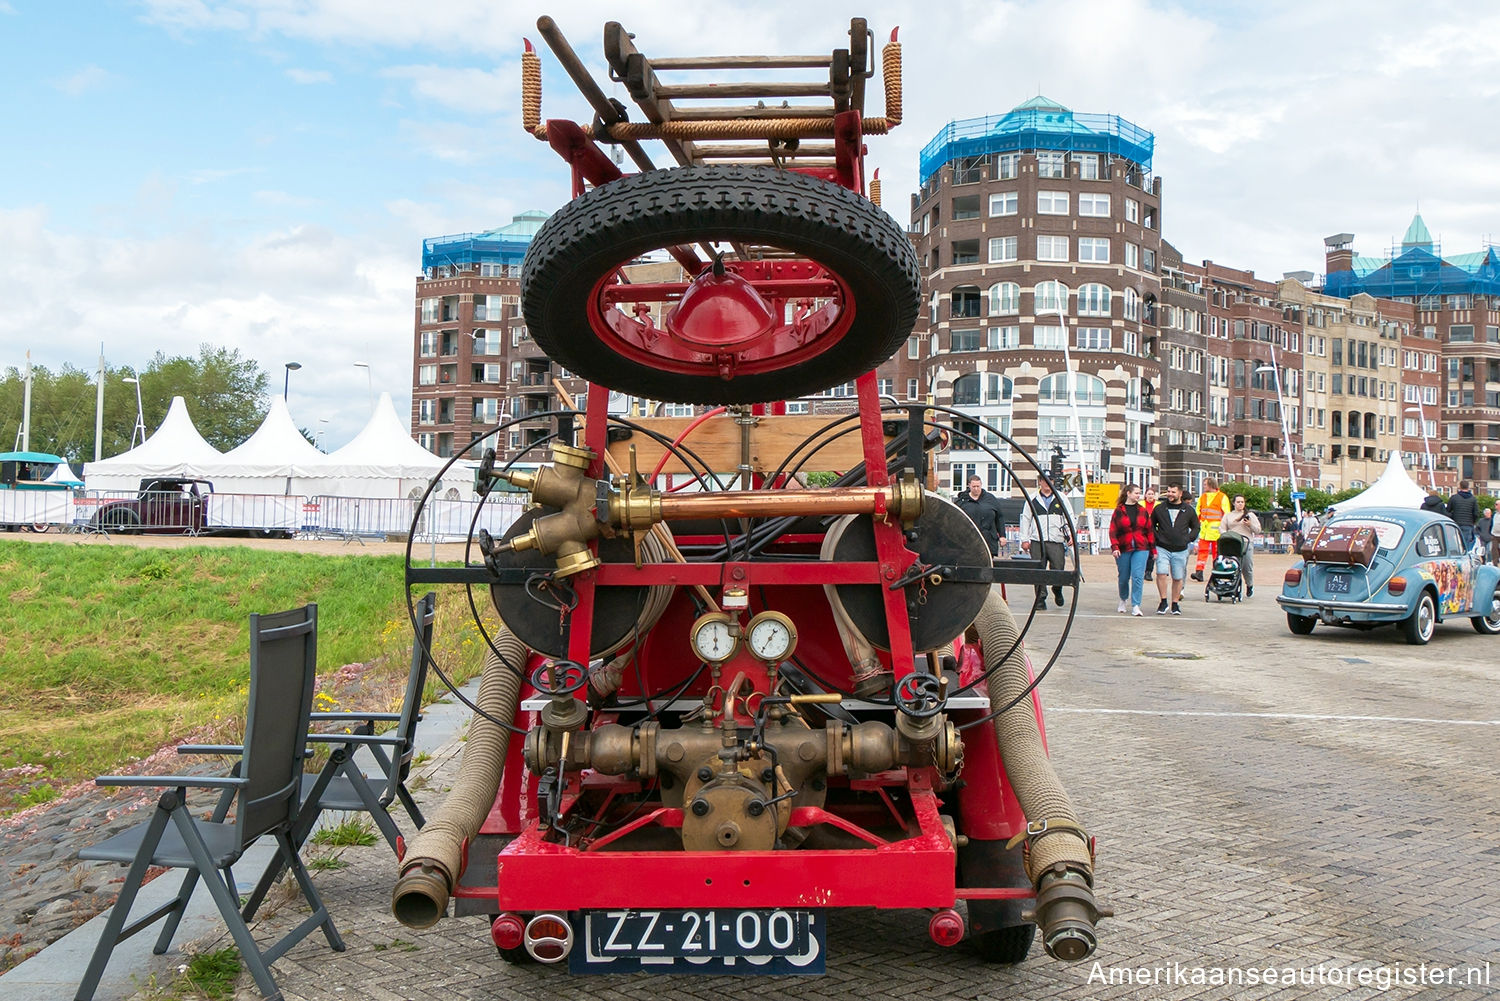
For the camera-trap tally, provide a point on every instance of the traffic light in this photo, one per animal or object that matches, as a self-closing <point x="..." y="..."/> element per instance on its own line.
<point x="1056" y="469"/>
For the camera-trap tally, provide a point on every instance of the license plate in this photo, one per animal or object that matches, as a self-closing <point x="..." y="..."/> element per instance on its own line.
<point x="1338" y="583"/>
<point x="768" y="941"/>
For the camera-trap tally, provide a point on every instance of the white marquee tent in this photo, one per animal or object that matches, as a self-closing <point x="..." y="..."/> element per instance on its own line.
<point x="381" y="461"/>
<point x="176" y="449"/>
<point x="1394" y="488"/>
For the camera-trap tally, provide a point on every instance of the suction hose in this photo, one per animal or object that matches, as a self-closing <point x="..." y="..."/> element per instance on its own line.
<point x="1059" y="860"/>
<point x="434" y="857"/>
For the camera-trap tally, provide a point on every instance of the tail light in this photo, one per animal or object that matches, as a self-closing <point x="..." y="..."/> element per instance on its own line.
<point x="1293" y="577"/>
<point x="508" y="931"/>
<point x="946" y="927"/>
<point x="1397" y="585"/>
<point x="548" y="938"/>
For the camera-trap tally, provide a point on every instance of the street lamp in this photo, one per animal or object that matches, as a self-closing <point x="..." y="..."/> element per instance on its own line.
<point x="286" y="383"/>
<point x="318" y="438"/>
<point x="1072" y="383"/>
<point x="140" y="414"/>
<point x="1421" y="413"/>
<point x="369" y="381"/>
<point x="1286" y="433"/>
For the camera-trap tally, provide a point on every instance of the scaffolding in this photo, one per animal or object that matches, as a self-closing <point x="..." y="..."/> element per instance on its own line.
<point x="1417" y="273"/>
<point x="1049" y="127"/>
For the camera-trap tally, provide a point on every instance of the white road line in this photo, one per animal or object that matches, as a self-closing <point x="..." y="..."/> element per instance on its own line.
<point x="1320" y="717"/>
<point x="1054" y="613"/>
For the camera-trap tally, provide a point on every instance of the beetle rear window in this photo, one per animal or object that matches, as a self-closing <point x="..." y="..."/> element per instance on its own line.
<point x="1388" y="533"/>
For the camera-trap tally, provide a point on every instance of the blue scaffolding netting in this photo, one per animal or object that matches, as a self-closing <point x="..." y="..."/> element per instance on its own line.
<point x="1028" y="128"/>
<point x="1415" y="272"/>
<point x="506" y="245"/>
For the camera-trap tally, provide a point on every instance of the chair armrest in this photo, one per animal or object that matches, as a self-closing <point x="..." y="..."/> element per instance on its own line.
<point x="202" y="781"/>
<point x="211" y="749"/>
<point x="382" y="717"/>
<point x="353" y="738"/>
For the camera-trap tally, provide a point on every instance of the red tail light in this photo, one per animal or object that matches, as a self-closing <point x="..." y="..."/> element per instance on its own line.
<point x="507" y="931"/>
<point x="1397" y="585"/>
<point x="548" y="938"/>
<point x="1293" y="577"/>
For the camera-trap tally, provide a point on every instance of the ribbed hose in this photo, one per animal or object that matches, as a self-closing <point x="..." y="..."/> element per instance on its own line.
<point x="435" y="855"/>
<point x="870" y="675"/>
<point x="1058" y="862"/>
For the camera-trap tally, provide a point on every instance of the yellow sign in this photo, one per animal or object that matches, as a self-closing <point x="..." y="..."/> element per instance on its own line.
<point x="1101" y="496"/>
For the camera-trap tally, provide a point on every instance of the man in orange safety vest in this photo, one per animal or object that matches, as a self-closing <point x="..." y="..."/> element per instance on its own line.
<point x="1213" y="504"/>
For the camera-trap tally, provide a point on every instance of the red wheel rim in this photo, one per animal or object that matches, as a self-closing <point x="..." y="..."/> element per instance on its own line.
<point x="808" y="307"/>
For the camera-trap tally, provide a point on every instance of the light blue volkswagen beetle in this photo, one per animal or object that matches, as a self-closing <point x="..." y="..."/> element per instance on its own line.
<point x="1390" y="566"/>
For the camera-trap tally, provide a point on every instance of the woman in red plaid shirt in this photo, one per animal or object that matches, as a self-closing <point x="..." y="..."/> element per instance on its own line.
<point x="1130" y="540"/>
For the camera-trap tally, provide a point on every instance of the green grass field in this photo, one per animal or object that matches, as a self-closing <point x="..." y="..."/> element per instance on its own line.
<point x="109" y="652"/>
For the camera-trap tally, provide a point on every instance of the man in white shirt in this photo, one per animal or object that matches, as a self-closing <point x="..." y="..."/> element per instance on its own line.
<point x="1045" y="523"/>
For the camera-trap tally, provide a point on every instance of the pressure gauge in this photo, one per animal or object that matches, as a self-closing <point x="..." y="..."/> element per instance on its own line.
<point x="772" y="637"/>
<point x="715" y="638"/>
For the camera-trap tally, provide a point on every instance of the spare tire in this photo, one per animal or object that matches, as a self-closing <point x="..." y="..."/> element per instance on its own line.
<point x="586" y="241"/>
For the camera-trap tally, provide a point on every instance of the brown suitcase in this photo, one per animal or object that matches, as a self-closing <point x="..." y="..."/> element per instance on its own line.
<point x="1346" y="545"/>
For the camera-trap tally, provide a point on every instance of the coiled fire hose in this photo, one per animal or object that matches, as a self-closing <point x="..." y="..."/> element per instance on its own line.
<point x="1059" y="857"/>
<point x="435" y="856"/>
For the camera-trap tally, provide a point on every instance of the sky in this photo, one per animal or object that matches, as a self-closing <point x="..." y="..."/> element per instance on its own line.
<point x="260" y="174"/>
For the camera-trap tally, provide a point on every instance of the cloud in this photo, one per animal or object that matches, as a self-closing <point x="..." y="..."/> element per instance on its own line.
<point x="475" y="90"/>
<point x="87" y="79"/>
<point x="6" y="8"/>
<point x="309" y="76"/>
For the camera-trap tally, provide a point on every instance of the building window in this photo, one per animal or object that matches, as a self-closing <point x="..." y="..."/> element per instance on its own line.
<point x="1093" y="338"/>
<point x="1148" y="260"/>
<point x="427" y="411"/>
<point x="487" y="342"/>
<point x="1132" y="304"/>
<point x="1052" y="202"/>
<point x="1093" y="299"/>
<point x="1052" y="248"/>
<point x="429" y="343"/>
<point x="1004" y="337"/>
<point x="486" y="411"/>
<point x="1003" y="203"/>
<point x="1050" y="297"/>
<point x="1093" y="205"/>
<point x="964" y="340"/>
<point x="1093" y="250"/>
<point x="886" y="387"/>
<point x="1088" y="166"/>
<point x="911" y="389"/>
<point x="966" y="207"/>
<point x="1005" y="299"/>
<point x="965" y="251"/>
<point x="1132" y="210"/>
<point x="1132" y="255"/>
<point x="1051" y="164"/>
<point x="1087" y="388"/>
<point x="1007" y="166"/>
<point x="1002" y="249"/>
<point x="427" y="375"/>
<point x="1048" y="337"/>
<point x="968" y="170"/>
<point x="965" y="302"/>
<point x="913" y="346"/>
<point x="430" y="310"/>
<point x="1460" y="332"/>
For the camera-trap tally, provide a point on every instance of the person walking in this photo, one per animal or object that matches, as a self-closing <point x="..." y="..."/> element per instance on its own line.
<point x="983" y="509"/>
<point x="1464" y="510"/>
<point x="1130" y="541"/>
<point x="1483" y="528"/>
<point x="1148" y="501"/>
<point x="1175" y="526"/>
<point x="1044" y="532"/>
<point x="1495" y="539"/>
<point x="1242" y="521"/>
<point x="1213" y="504"/>
<point x="1307" y="530"/>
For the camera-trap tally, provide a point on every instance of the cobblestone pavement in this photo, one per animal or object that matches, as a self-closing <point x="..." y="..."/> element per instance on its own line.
<point x="1261" y="801"/>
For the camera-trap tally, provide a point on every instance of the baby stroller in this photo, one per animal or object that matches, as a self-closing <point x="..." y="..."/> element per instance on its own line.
<point x="1224" y="581"/>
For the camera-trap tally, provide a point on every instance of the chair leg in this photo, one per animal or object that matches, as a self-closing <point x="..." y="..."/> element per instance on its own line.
<point x="229" y="908"/>
<point x="179" y="907"/>
<point x="117" y="914"/>
<point x="412" y="810"/>
<point x="320" y="914"/>
<point x="373" y="807"/>
<point x="267" y="880"/>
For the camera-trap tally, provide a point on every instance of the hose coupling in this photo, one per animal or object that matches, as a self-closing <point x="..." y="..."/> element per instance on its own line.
<point x="1067" y="913"/>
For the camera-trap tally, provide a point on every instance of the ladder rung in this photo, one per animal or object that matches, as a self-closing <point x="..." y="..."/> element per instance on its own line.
<point x="741" y="62"/>
<point x="722" y="112"/>
<point x="719" y="152"/>
<point x="767" y="89"/>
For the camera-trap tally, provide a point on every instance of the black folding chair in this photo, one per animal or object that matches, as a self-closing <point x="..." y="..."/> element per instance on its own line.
<point x="342" y="783"/>
<point x="264" y="789"/>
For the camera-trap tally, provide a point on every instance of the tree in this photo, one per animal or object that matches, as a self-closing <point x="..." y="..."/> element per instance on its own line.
<point x="1256" y="498"/>
<point x="225" y="393"/>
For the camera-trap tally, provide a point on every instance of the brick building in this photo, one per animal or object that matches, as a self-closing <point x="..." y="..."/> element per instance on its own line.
<point x="1039" y="235"/>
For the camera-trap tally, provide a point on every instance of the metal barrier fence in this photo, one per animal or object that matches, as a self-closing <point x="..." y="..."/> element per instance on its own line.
<point x="187" y="513"/>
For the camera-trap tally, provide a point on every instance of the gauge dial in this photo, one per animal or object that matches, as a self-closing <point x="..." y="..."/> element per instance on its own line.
<point x="714" y="637"/>
<point x="771" y="636"/>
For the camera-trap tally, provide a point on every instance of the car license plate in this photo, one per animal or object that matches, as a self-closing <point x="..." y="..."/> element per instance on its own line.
<point x="770" y="941"/>
<point x="1338" y="583"/>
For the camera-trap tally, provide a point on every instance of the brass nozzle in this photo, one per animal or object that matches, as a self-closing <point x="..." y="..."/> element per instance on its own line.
<point x="1067" y="912"/>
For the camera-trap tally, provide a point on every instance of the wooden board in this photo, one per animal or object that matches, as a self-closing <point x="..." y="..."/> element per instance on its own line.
<point x="717" y="442"/>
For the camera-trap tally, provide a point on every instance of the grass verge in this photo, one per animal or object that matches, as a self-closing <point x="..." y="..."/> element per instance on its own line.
<point x="108" y="653"/>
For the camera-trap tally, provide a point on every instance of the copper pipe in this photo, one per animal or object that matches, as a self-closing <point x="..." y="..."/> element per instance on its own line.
<point x="771" y="503"/>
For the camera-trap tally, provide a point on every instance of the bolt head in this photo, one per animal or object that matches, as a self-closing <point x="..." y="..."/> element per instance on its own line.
<point x="705" y="773"/>
<point x="700" y="807"/>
